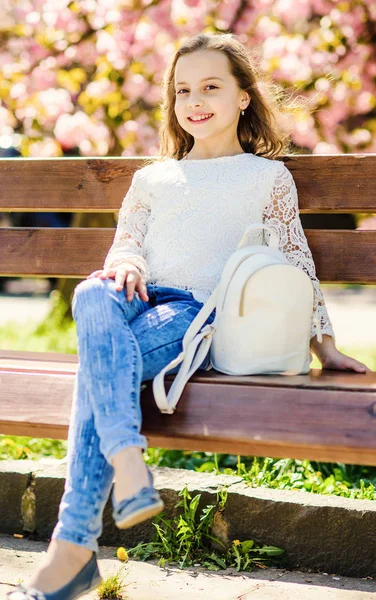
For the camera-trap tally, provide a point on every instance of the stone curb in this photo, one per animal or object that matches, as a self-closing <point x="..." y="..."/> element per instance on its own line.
<point x="321" y="533"/>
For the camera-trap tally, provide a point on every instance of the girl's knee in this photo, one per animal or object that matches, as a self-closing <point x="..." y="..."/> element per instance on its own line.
<point x="93" y="285"/>
<point x="92" y="291"/>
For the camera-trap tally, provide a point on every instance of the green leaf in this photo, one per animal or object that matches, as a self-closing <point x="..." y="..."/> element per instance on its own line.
<point x="270" y="550"/>
<point x="218" y="560"/>
<point x="247" y="545"/>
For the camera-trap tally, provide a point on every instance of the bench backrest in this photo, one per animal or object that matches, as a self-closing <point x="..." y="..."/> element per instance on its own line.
<point x="326" y="184"/>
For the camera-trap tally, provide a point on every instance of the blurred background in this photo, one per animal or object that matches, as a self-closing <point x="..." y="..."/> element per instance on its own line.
<point x="83" y="78"/>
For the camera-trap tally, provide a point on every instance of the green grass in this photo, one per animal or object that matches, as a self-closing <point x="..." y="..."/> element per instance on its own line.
<point x="59" y="335"/>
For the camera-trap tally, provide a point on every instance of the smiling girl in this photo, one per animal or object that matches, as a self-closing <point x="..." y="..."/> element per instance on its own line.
<point x="182" y="218"/>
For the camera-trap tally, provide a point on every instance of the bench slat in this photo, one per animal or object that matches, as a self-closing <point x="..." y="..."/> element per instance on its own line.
<point x="65" y="184"/>
<point x="325" y="183"/>
<point x="339" y="425"/>
<point x="340" y="256"/>
<point x="55" y="363"/>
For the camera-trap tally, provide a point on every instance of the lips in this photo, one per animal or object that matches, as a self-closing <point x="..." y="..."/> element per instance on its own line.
<point x="200" y="120"/>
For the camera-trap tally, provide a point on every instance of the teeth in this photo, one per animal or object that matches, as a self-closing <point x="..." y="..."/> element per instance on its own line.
<point x="200" y="118"/>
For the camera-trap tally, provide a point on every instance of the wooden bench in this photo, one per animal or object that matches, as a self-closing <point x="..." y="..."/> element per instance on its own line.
<point x="325" y="415"/>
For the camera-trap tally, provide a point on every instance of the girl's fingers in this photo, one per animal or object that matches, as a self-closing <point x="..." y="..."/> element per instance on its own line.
<point x="120" y="278"/>
<point x="143" y="291"/>
<point x="94" y="274"/>
<point x="122" y="275"/>
<point x="131" y="283"/>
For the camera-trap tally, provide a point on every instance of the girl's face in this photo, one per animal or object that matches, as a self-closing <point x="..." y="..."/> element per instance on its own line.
<point x="205" y="86"/>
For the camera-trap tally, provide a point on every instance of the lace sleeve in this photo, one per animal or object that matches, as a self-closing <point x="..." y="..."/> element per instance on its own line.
<point x="131" y="230"/>
<point x="281" y="213"/>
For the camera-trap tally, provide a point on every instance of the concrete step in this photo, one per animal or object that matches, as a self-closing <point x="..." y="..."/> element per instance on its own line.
<point x="317" y="532"/>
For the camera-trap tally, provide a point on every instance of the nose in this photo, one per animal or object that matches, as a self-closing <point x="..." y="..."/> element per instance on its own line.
<point x="194" y="101"/>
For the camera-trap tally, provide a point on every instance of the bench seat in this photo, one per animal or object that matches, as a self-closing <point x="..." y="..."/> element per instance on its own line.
<point x="325" y="415"/>
<point x="271" y="415"/>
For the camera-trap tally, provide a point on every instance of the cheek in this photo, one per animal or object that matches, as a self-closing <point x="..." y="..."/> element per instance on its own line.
<point x="178" y="108"/>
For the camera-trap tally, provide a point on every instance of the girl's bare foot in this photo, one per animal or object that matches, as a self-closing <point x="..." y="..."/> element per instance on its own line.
<point x="63" y="561"/>
<point x="130" y="473"/>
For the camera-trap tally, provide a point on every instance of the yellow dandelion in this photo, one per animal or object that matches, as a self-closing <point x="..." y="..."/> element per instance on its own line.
<point x="236" y="542"/>
<point x="122" y="554"/>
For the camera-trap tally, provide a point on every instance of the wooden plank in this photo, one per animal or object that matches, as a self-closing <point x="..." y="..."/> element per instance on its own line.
<point x="340" y="256"/>
<point x="334" y="183"/>
<point x="29" y="355"/>
<point x="65" y="184"/>
<point x="330" y="425"/>
<point x="55" y="363"/>
<point x="325" y="183"/>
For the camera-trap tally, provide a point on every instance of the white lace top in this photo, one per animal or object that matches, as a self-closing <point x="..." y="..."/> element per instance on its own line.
<point x="181" y="220"/>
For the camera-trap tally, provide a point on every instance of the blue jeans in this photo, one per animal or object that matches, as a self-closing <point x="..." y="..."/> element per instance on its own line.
<point x="120" y="345"/>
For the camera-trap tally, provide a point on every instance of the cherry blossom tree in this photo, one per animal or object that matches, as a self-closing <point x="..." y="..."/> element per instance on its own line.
<point x="84" y="76"/>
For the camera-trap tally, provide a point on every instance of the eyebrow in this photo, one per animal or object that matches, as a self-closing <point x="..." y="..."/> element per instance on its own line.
<point x="205" y="79"/>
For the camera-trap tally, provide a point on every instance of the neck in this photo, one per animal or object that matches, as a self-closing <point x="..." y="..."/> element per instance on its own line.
<point x="194" y="156"/>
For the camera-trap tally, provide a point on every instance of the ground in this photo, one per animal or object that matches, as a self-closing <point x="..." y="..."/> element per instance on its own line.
<point x="145" y="580"/>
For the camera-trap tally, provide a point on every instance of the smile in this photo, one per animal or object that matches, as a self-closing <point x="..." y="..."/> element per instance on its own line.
<point x="200" y="119"/>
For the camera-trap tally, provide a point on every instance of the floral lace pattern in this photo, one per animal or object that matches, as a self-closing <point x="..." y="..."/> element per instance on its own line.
<point x="181" y="220"/>
<point x="281" y="213"/>
<point x="130" y="232"/>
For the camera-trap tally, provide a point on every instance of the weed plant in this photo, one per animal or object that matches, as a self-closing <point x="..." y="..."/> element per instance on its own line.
<point x="112" y="588"/>
<point x="188" y="540"/>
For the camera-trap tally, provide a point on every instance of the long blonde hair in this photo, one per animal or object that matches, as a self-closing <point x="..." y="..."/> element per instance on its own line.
<point x="264" y="129"/>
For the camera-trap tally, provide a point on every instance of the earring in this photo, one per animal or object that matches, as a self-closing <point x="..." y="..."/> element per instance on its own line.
<point x="242" y="112"/>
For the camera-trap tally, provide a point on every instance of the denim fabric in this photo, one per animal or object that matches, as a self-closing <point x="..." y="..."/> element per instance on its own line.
<point x="120" y="345"/>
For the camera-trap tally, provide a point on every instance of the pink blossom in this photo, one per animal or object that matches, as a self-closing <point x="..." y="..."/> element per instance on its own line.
<point x="46" y="148"/>
<point x="365" y="102"/>
<point x="192" y="3"/>
<point x="7" y="121"/>
<point x="291" y="11"/>
<point x="325" y="148"/>
<point x="80" y="131"/>
<point x="51" y="104"/>
<point x="153" y="95"/>
<point x="367" y="223"/>
<point x="41" y="79"/>
<point x="83" y="53"/>
<point x="135" y="87"/>
<point x="100" y="89"/>
<point x="304" y="133"/>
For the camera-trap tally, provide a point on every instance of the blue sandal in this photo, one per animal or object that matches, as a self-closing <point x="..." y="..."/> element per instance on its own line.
<point x="145" y="504"/>
<point x="86" y="580"/>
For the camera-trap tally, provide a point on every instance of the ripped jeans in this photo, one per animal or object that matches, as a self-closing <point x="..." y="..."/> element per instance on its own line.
<point x="120" y="345"/>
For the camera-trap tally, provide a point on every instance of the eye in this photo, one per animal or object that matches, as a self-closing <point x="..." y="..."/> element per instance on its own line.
<point x="209" y="85"/>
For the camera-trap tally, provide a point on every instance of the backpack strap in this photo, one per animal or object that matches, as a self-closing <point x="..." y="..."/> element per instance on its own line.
<point x="191" y="363"/>
<point x="274" y="237"/>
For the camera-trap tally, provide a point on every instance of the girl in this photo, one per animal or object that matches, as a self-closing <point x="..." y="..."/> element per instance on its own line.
<point x="181" y="219"/>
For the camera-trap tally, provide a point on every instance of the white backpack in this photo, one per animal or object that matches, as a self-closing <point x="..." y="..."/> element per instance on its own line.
<point x="262" y="324"/>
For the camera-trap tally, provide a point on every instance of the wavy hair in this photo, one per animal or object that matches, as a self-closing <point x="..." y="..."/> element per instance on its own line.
<point x="265" y="128"/>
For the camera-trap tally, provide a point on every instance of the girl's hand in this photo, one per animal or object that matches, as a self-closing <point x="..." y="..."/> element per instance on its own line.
<point x="124" y="274"/>
<point x="336" y="360"/>
<point x="331" y="358"/>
